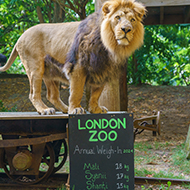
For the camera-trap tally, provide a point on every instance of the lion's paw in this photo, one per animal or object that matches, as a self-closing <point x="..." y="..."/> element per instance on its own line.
<point x="48" y="111"/>
<point x="104" y="109"/>
<point x="77" y="111"/>
<point x="98" y="109"/>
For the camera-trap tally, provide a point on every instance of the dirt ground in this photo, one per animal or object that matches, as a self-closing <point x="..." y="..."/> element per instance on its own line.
<point x="172" y="102"/>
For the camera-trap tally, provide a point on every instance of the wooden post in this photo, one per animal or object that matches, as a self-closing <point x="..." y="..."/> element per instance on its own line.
<point x="114" y="95"/>
<point x="110" y="97"/>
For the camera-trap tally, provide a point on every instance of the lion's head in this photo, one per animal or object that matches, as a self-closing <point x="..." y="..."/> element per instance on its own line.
<point x="121" y="30"/>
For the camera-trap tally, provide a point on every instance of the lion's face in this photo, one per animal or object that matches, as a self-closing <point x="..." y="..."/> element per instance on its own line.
<point x="123" y="23"/>
<point x="121" y="28"/>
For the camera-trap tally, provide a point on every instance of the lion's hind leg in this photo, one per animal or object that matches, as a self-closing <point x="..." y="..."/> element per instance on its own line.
<point x="93" y="102"/>
<point x="53" y="95"/>
<point x="35" y="96"/>
<point x="35" y="72"/>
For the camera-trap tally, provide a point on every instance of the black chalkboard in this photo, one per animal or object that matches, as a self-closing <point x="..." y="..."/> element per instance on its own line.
<point x="101" y="151"/>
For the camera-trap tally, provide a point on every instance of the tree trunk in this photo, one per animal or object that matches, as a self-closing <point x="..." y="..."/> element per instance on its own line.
<point x="135" y="71"/>
<point x="59" y="14"/>
<point x="123" y="89"/>
<point x="39" y="13"/>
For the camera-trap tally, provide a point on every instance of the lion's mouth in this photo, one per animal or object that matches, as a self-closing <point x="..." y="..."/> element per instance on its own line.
<point x="121" y="39"/>
<point x="125" y="37"/>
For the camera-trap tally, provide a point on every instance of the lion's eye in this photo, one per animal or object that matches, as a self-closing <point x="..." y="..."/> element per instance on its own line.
<point x="132" y="20"/>
<point x="118" y="17"/>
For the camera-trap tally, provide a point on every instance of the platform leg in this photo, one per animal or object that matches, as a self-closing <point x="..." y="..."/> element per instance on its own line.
<point x="68" y="179"/>
<point x="154" y="123"/>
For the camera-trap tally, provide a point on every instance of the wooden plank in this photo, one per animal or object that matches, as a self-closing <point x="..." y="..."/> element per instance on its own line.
<point x="161" y="15"/>
<point x="160" y="3"/>
<point x="168" y="19"/>
<point x="31" y="141"/>
<point x="30" y="115"/>
<point x="153" y="3"/>
<point x="187" y="14"/>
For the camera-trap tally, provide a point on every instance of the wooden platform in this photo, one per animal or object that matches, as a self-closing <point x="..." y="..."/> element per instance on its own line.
<point x="31" y="123"/>
<point x="30" y="115"/>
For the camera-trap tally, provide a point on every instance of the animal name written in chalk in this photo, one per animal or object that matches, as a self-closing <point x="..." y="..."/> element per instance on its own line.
<point x="102" y="129"/>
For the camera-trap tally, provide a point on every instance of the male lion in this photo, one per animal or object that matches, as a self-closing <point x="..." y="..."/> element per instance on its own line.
<point x="90" y="52"/>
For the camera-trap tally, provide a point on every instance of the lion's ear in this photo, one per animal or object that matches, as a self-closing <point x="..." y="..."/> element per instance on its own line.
<point x="109" y="7"/>
<point x="140" y="11"/>
<point x="106" y="8"/>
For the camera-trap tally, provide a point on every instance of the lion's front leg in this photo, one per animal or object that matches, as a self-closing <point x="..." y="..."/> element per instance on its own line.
<point x="77" y="82"/>
<point x="93" y="102"/>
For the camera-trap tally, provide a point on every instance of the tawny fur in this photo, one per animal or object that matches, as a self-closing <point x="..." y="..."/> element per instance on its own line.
<point x="90" y="52"/>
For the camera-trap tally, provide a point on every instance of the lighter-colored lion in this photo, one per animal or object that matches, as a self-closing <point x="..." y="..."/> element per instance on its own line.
<point x="90" y="52"/>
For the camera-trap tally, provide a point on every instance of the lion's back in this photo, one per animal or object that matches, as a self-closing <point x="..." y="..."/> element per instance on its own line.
<point x="53" y="39"/>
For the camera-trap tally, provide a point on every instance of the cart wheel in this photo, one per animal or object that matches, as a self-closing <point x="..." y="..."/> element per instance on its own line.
<point x="45" y="169"/>
<point x="61" y="152"/>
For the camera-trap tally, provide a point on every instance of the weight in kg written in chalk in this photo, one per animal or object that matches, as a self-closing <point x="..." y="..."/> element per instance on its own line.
<point x="120" y="166"/>
<point x="122" y="186"/>
<point x="121" y="176"/>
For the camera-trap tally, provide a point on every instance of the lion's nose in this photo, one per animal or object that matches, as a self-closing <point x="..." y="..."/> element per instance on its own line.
<point x="126" y="30"/>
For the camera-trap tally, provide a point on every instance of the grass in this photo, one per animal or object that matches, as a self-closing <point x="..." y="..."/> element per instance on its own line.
<point x="179" y="160"/>
<point x="5" y="109"/>
<point x="161" y="160"/>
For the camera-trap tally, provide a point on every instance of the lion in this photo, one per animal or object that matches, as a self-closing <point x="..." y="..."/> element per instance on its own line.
<point x="90" y="52"/>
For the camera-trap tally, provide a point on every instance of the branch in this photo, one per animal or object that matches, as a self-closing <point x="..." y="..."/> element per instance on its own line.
<point x="79" y="7"/>
<point x="62" y="7"/>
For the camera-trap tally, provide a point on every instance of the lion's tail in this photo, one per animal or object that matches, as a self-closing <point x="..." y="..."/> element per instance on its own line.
<point x="10" y="61"/>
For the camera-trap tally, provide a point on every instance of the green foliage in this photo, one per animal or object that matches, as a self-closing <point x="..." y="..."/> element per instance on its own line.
<point x="2" y="107"/>
<point x="17" y="67"/>
<point x="15" y="17"/>
<point x="90" y="7"/>
<point x="164" y="58"/>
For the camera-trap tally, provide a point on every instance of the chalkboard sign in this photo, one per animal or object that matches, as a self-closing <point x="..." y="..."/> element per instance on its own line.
<point x="101" y="151"/>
